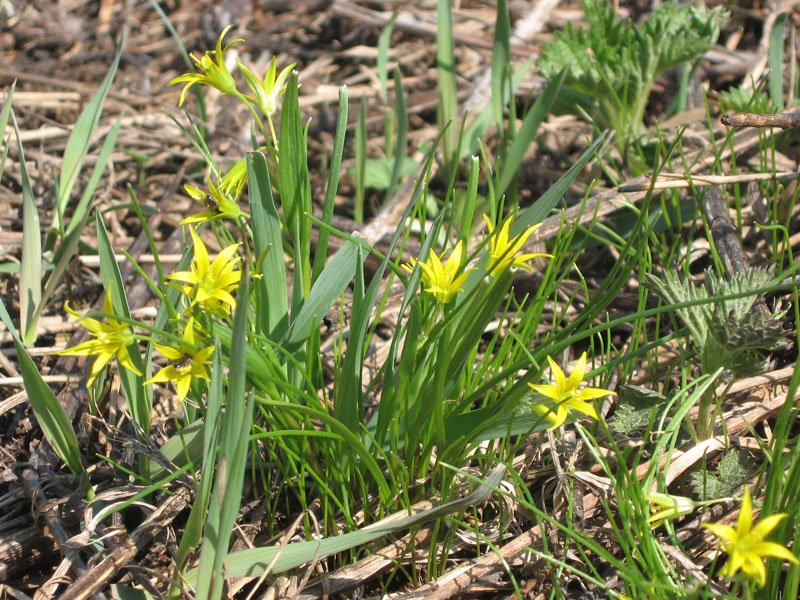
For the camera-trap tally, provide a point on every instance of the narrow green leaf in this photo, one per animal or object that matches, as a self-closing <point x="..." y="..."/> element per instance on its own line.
<point x="527" y="132"/>
<point x="30" y="279"/>
<point x="252" y="563"/>
<point x="271" y="293"/>
<point x="501" y="63"/>
<point x="402" y="133"/>
<point x="4" y="114"/>
<point x="361" y="162"/>
<point x="107" y="148"/>
<point x="138" y="395"/>
<point x="227" y="496"/>
<point x="321" y="255"/>
<point x="540" y="209"/>
<point x="51" y="416"/>
<point x="775" y="60"/>
<point x="81" y="137"/>
<point x="347" y="407"/>
<point x="447" y="110"/>
<point x="332" y="282"/>
<point x="384" y="41"/>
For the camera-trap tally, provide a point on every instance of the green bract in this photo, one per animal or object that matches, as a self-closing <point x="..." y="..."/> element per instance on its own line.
<point x="613" y="65"/>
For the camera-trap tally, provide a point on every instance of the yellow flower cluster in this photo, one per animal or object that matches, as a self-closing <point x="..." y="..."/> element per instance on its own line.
<point x="444" y="280"/>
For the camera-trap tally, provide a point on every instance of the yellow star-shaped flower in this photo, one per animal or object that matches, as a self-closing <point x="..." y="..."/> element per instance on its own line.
<point x="442" y="280"/>
<point x="110" y="338"/>
<point x="566" y="395"/>
<point x="187" y="362"/>
<point x="214" y="72"/>
<point x="503" y="252"/>
<point x="745" y="545"/>
<point x="209" y="284"/>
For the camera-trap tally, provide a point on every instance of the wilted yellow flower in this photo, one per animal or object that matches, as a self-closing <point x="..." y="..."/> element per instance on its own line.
<point x="566" y="395"/>
<point x="503" y="252"/>
<point x="111" y="338"/>
<point x="442" y="280"/>
<point x="745" y="545"/>
<point x="266" y="93"/>
<point x="187" y="362"/>
<point x="209" y="284"/>
<point x="667" y="507"/>
<point x="214" y="71"/>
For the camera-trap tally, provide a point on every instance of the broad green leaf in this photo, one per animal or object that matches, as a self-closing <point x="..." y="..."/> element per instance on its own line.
<point x="271" y="293"/>
<point x="332" y="282"/>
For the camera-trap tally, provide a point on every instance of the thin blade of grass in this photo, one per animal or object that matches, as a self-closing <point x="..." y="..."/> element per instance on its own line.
<point x="775" y="60"/>
<point x="348" y="406"/>
<point x="30" y="278"/>
<point x="447" y="110"/>
<point x="321" y="255"/>
<point x="501" y="64"/>
<point x="207" y="433"/>
<point x="80" y="139"/>
<point x="97" y="173"/>
<point x="252" y="563"/>
<point x="527" y="132"/>
<point x="361" y="162"/>
<point x="539" y="210"/>
<point x="402" y="133"/>
<point x="139" y="396"/>
<point x="4" y="114"/>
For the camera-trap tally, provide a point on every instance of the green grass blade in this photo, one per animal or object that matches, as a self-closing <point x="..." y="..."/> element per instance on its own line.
<point x="271" y="293"/>
<point x="537" y="212"/>
<point x="295" y="188"/>
<point x="252" y="563"/>
<point x="321" y="255"/>
<point x="402" y="133"/>
<point x="139" y="396"/>
<point x="446" y="70"/>
<point x="348" y="407"/>
<point x="527" y="131"/>
<point x="361" y="162"/>
<point x="207" y="433"/>
<point x="332" y="282"/>
<point x="235" y="425"/>
<point x="4" y="114"/>
<point x="97" y="173"/>
<point x="51" y="416"/>
<point x="30" y="279"/>
<point x="775" y="60"/>
<point x="80" y="139"/>
<point x="501" y="64"/>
